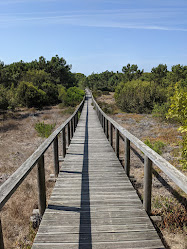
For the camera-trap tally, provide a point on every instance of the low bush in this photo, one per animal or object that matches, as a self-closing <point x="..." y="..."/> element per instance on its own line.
<point x="139" y="96"/>
<point x="107" y="108"/>
<point x="157" y="146"/>
<point x="44" y="130"/>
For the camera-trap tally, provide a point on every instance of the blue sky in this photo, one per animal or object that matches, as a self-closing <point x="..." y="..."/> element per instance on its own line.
<point x="95" y="35"/>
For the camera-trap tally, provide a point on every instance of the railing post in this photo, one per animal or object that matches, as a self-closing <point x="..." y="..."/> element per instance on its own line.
<point x="107" y="128"/>
<point x="74" y="123"/>
<point x="127" y="156"/>
<point x="1" y="236"/>
<point x="117" y="143"/>
<point x="111" y="134"/>
<point x="68" y="133"/>
<point x="104" y="122"/>
<point x="56" y="161"/>
<point x="147" y="185"/>
<point x="63" y="142"/>
<point x="41" y="186"/>
<point x="71" y="127"/>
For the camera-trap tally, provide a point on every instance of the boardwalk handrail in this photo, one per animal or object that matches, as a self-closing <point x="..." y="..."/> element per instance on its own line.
<point x="14" y="181"/>
<point x="150" y="156"/>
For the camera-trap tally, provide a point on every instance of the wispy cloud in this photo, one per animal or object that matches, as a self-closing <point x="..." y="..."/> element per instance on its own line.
<point x="145" y="19"/>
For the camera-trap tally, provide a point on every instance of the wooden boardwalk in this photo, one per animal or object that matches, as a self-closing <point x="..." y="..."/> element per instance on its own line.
<point x="93" y="204"/>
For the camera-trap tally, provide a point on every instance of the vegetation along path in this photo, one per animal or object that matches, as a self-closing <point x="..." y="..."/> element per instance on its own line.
<point x="93" y="204"/>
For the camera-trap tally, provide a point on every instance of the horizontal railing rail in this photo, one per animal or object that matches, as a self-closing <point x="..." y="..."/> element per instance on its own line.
<point x="109" y="125"/>
<point x="14" y="181"/>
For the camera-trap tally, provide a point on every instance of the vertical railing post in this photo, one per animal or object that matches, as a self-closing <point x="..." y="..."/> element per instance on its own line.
<point x="107" y="128"/>
<point x="41" y="186"/>
<point x="117" y="143"/>
<point x="111" y="133"/>
<point x="71" y="127"/>
<point x="74" y="123"/>
<point x="127" y="156"/>
<point x="104" y="123"/>
<point x="147" y="185"/>
<point x="68" y="133"/>
<point x="63" y="142"/>
<point x="56" y="161"/>
<point x="1" y="236"/>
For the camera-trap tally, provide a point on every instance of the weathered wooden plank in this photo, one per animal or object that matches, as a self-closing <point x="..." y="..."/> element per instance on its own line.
<point x="154" y="244"/>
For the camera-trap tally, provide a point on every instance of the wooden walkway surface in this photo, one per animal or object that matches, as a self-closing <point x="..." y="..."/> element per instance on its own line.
<point x="93" y="204"/>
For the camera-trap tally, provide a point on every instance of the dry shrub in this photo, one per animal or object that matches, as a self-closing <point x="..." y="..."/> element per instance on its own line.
<point x="174" y="214"/>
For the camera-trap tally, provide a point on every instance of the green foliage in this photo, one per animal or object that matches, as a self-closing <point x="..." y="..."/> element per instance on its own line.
<point x="107" y="108"/>
<point x="30" y="95"/>
<point x="3" y="98"/>
<point x="62" y="94"/>
<point x="131" y="72"/>
<point x="178" y="111"/>
<point x="42" y="78"/>
<point x="44" y="130"/>
<point x="139" y="96"/>
<point x="160" y="110"/>
<point x="74" y="96"/>
<point x="159" y="73"/>
<point x="157" y="146"/>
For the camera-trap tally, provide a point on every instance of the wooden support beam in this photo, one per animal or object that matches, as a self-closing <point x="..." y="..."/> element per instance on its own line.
<point x="111" y="133"/>
<point x="72" y="129"/>
<point x="68" y="134"/>
<point x="107" y="128"/>
<point x="117" y="143"/>
<point x="41" y="186"/>
<point x="104" y="122"/>
<point x="63" y="142"/>
<point x="56" y="161"/>
<point x="147" y="185"/>
<point x="1" y="236"/>
<point x="127" y="156"/>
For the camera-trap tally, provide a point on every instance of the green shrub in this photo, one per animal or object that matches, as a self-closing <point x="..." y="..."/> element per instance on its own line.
<point x="107" y="108"/>
<point x="160" y="110"/>
<point x="139" y="96"/>
<point x="3" y="98"/>
<point x="44" y="130"/>
<point x="74" y="96"/>
<point x="157" y="146"/>
<point x="30" y="96"/>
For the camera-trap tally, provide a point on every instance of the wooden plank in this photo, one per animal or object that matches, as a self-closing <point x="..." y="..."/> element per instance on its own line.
<point x="1" y="236"/>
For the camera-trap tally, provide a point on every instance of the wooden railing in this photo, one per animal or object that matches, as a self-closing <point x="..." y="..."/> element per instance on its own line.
<point x="14" y="181"/>
<point x="110" y="127"/>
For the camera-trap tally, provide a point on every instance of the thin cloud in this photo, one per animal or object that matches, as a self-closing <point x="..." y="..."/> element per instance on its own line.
<point x="145" y="19"/>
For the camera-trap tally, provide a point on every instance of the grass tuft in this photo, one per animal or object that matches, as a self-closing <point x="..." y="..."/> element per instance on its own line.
<point x="44" y="130"/>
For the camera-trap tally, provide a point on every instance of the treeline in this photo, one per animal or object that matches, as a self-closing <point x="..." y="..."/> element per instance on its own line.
<point x="140" y="92"/>
<point x="38" y="83"/>
<point x="161" y="92"/>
